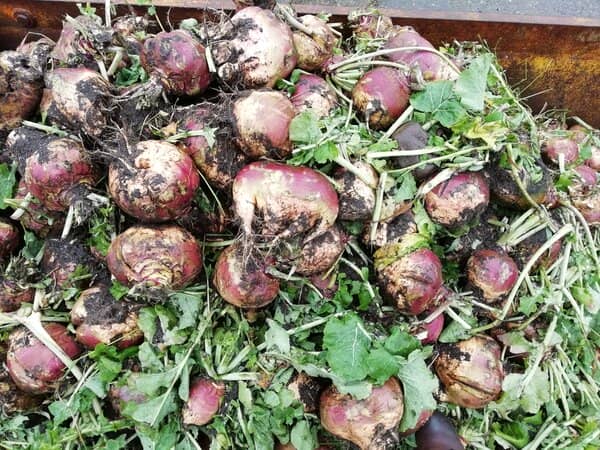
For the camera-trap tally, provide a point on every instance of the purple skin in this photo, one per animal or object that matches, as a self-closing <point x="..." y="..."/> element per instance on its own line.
<point x="177" y="59"/>
<point x="312" y="92"/>
<point x="438" y="433"/>
<point x="493" y="274"/>
<point x="381" y="95"/>
<point x="556" y="147"/>
<point x="268" y="136"/>
<point x="458" y="200"/>
<point x="37" y="218"/>
<point x="411" y="281"/>
<point x="242" y="281"/>
<point x="205" y="400"/>
<point x="9" y="238"/>
<point x="431" y="66"/>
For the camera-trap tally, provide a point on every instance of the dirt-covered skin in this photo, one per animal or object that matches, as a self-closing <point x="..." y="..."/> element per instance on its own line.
<point x="76" y="99"/>
<point x="38" y="53"/>
<point x="130" y="32"/>
<point x="381" y="95"/>
<point x="491" y="274"/>
<point x="240" y="278"/>
<point x="156" y="185"/>
<point x="313" y="257"/>
<point x="80" y="41"/>
<point x="10" y="238"/>
<point x="219" y="161"/>
<point x="246" y="55"/>
<point x="370" y="24"/>
<point x="506" y="191"/>
<point x="391" y="230"/>
<point x="13" y="293"/>
<point x="157" y="256"/>
<point x="306" y="390"/>
<point x="459" y="200"/>
<point x="63" y="259"/>
<point x="261" y="121"/>
<point x="412" y="281"/>
<point x="20" y="90"/>
<point x="273" y="199"/>
<point x="584" y="193"/>
<point x="370" y="423"/>
<point x="178" y="60"/>
<point x="312" y="92"/>
<point x="204" y="402"/>
<point x="59" y="173"/>
<point x="100" y="318"/>
<point x="31" y="365"/>
<point x="357" y="198"/>
<point x="481" y="235"/>
<point x="471" y="371"/>
<point x="314" y="49"/>
<point x="13" y="400"/>
<point x="522" y="252"/>
<point x="36" y="217"/>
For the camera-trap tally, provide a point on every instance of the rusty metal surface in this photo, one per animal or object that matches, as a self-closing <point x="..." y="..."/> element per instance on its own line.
<point x="556" y="60"/>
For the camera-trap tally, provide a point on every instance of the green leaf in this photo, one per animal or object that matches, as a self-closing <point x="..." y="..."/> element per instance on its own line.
<point x="347" y="345"/>
<point x="516" y="433"/>
<point x="188" y="306"/>
<point x="304" y="128"/>
<point x="382" y="365"/>
<point x="277" y="337"/>
<point x="153" y="410"/>
<point x="302" y="436"/>
<point x="418" y="386"/>
<point x="118" y="290"/>
<point x="431" y="98"/>
<point x="472" y="82"/>
<point x="33" y="245"/>
<point x="8" y="182"/>
<point x="449" y="113"/>
<point x="406" y="187"/>
<point x="325" y="152"/>
<point x="401" y="343"/>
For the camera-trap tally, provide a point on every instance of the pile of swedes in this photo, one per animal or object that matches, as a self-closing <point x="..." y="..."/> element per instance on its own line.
<point x="160" y="123"/>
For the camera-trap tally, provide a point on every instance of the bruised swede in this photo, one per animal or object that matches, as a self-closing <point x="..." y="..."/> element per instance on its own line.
<point x="13" y="293"/>
<point x="492" y="274"/>
<point x="370" y="423"/>
<point x="156" y="256"/>
<point x="274" y="199"/>
<point x="205" y="399"/>
<point x="356" y="197"/>
<point x="68" y="263"/>
<point x="381" y="95"/>
<point x="157" y="185"/>
<point x="10" y="238"/>
<point x="471" y="371"/>
<point x="412" y="136"/>
<point x="36" y="217"/>
<point x="430" y="65"/>
<point x="459" y="200"/>
<point x="314" y="93"/>
<point x="32" y="366"/>
<point x="76" y="99"/>
<point x="218" y="159"/>
<point x="262" y="123"/>
<point x="438" y="433"/>
<point x="178" y="61"/>
<point x="410" y="280"/>
<point x="20" y="90"/>
<point x="315" y="48"/>
<point x="240" y="278"/>
<point x="100" y="319"/>
<point x="256" y="51"/>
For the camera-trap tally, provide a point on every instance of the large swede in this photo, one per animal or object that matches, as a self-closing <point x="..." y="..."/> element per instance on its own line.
<point x="274" y="199"/>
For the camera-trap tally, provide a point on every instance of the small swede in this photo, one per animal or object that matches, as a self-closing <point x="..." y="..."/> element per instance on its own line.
<point x="314" y="93"/>
<point x="315" y="48"/>
<point x="206" y="398"/>
<point x="492" y="274"/>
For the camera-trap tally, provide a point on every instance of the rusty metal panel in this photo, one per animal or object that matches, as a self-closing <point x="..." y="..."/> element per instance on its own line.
<point x="556" y="60"/>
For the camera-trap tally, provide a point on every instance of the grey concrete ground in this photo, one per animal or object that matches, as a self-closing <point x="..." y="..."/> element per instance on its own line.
<point x="577" y="8"/>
